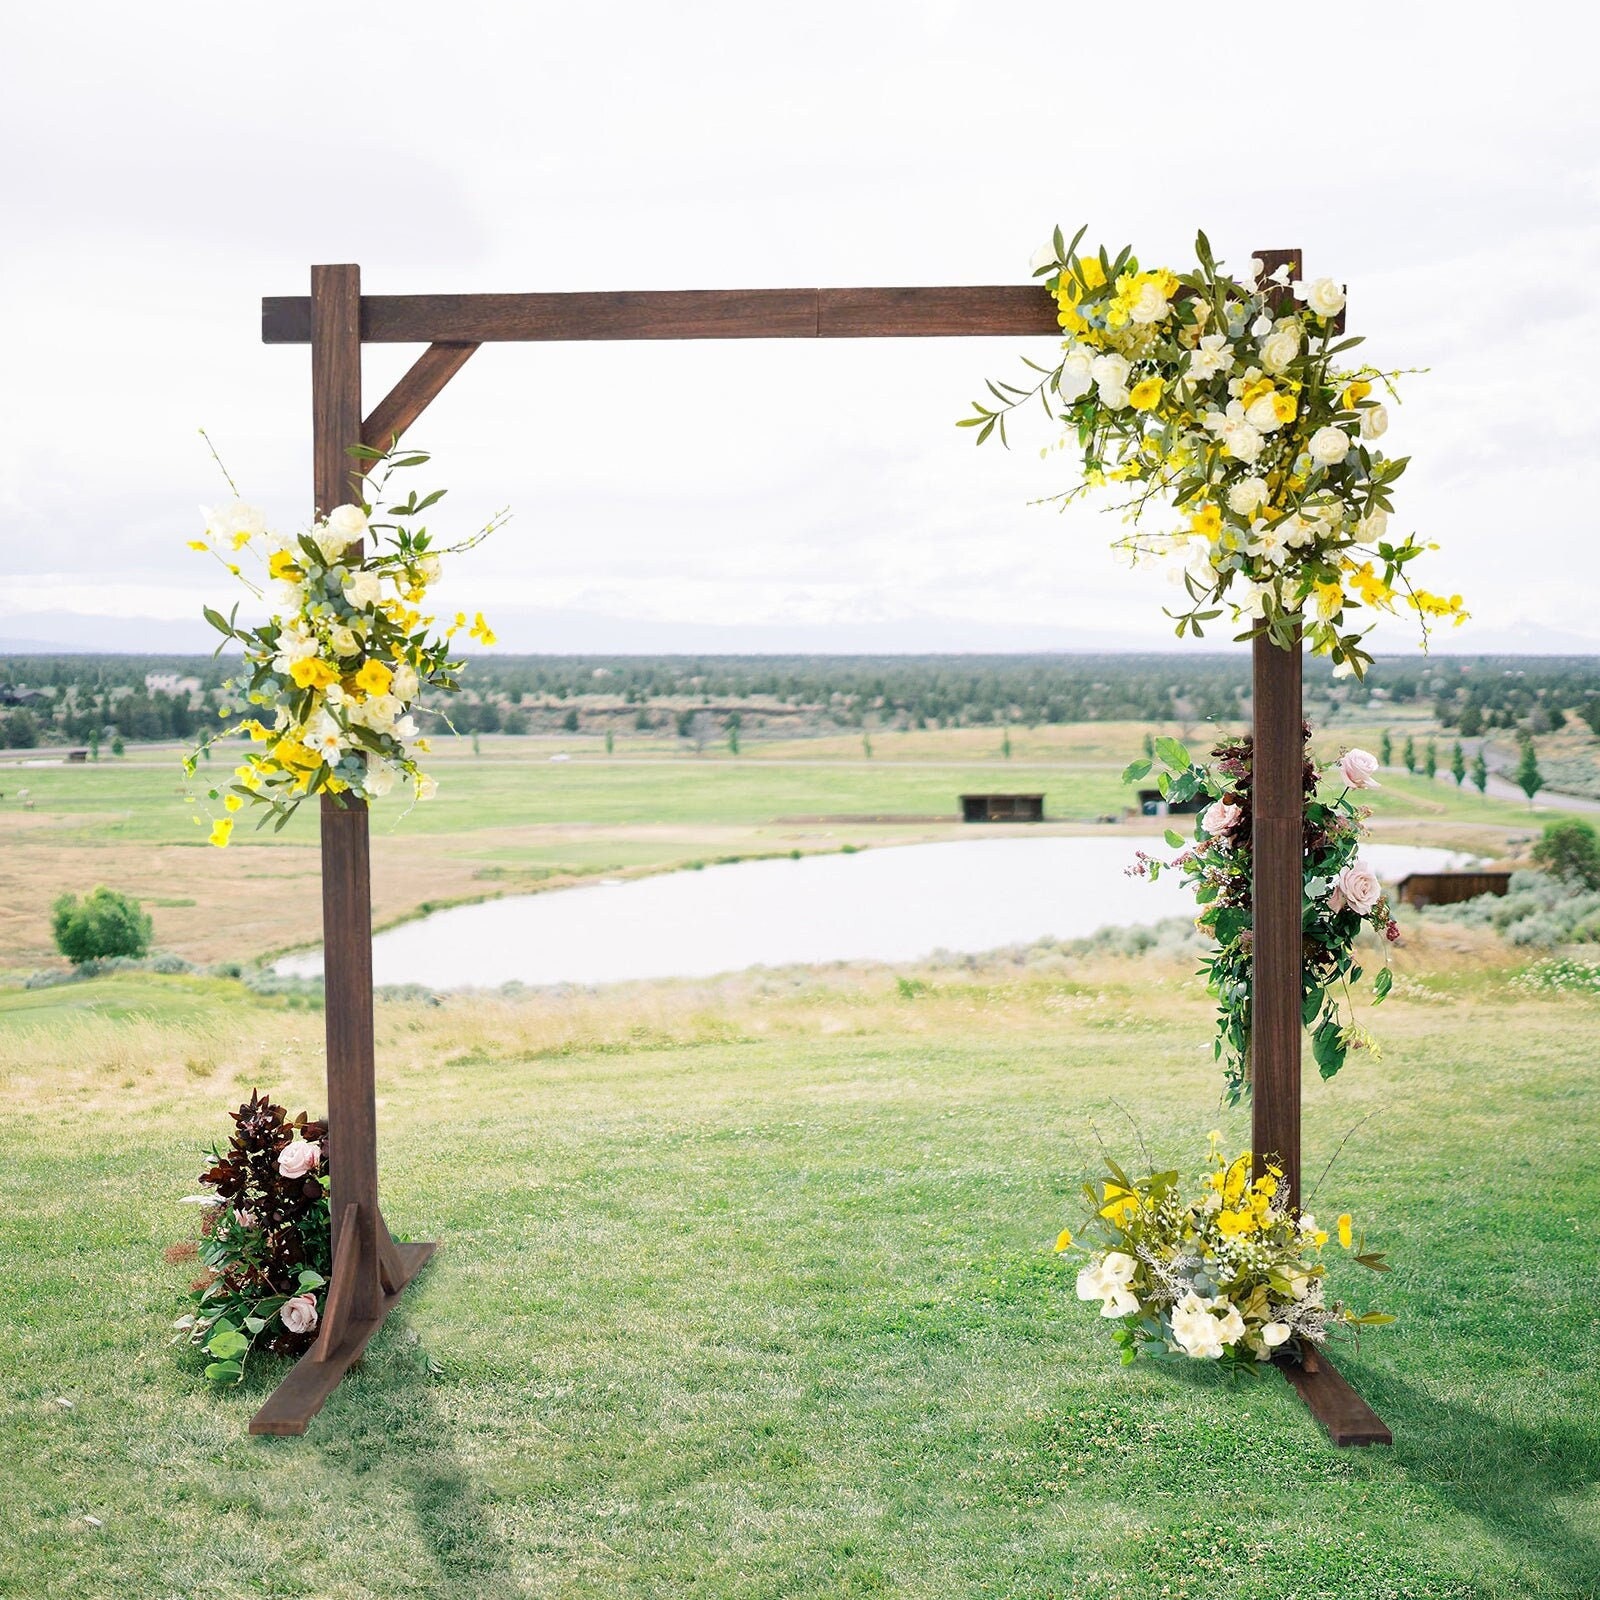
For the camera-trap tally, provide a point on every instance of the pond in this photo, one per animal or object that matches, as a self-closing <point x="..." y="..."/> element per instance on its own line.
<point x="890" y="904"/>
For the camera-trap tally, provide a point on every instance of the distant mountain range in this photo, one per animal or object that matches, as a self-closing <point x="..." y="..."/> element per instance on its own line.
<point x="558" y="633"/>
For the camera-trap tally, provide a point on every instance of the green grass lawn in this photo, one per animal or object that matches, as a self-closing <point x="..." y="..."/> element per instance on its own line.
<point x="745" y="1289"/>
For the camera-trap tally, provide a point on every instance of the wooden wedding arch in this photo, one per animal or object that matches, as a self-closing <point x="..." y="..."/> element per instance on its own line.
<point x="370" y="1270"/>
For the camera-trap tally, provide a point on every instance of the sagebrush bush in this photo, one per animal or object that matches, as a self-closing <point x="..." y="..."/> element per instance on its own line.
<point x="102" y="924"/>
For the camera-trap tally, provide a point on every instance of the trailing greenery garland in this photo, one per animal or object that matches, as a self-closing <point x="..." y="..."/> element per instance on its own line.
<point x="1341" y="896"/>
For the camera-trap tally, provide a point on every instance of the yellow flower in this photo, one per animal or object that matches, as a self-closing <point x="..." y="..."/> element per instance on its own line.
<point x="1372" y="589"/>
<point x="1344" y="1230"/>
<point x="481" y="631"/>
<point x="221" y="831"/>
<point x="1120" y="1203"/>
<point x="1330" y="600"/>
<point x="1283" y="407"/>
<point x="282" y="565"/>
<point x="232" y="802"/>
<point x="1238" y="1176"/>
<point x="313" y="673"/>
<point x="1063" y="1240"/>
<point x="1232" y="1223"/>
<point x="374" y="678"/>
<point x="198" y="544"/>
<point x="292" y="755"/>
<point x="1144" y="394"/>
<point x="1208" y="521"/>
<point x="1092" y="273"/>
<point x="1355" y="392"/>
<point x="1254" y="391"/>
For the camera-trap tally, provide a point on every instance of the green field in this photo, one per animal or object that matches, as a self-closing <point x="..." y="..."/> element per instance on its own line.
<point x="745" y="1289"/>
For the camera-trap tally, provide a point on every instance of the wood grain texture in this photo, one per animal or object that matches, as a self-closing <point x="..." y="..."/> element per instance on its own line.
<point x="341" y="1285"/>
<point x="1017" y="310"/>
<point x="1277" y="856"/>
<point x="335" y="336"/>
<point x="1350" y="1421"/>
<point x="414" y="393"/>
<point x="288" y="1410"/>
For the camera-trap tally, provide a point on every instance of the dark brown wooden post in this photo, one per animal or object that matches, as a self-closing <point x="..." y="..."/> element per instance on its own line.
<point x="346" y="872"/>
<point x="1277" y="864"/>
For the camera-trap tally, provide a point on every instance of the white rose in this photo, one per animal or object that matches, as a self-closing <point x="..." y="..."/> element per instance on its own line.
<point x="1372" y="527"/>
<point x="1243" y="440"/>
<point x="1279" y="349"/>
<point x="363" y="589"/>
<point x="1374" y="422"/>
<point x="342" y="640"/>
<point x="1274" y="1333"/>
<point x="1261" y="415"/>
<point x="379" y="778"/>
<point x="405" y="728"/>
<point x="1114" y="396"/>
<point x="428" y="569"/>
<point x="1077" y="375"/>
<point x="1150" y="307"/>
<point x="1110" y="370"/>
<point x="1247" y="496"/>
<point x="404" y="683"/>
<point x="1325" y="297"/>
<point x="1329" y="446"/>
<point x="235" y="523"/>
<point x="379" y="711"/>
<point x="349" y="522"/>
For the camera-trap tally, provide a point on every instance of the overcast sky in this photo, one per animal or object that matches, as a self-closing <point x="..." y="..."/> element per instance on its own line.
<point x="165" y="167"/>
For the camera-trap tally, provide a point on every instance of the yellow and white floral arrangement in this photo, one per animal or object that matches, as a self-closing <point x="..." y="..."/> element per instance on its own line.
<point x="1225" y="399"/>
<point x="330" y="681"/>
<point x="1230" y="1275"/>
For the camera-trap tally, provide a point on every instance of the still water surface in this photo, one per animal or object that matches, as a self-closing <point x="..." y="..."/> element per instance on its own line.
<point x="890" y="904"/>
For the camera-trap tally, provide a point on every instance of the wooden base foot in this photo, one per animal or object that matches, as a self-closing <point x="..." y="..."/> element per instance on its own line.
<point x="1347" y="1417"/>
<point x="301" y="1395"/>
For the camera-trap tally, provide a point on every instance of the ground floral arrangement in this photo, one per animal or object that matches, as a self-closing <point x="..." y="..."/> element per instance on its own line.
<point x="1342" y="896"/>
<point x="331" y="679"/>
<point x="264" y="1241"/>
<point x="1225" y="1274"/>
<point x="1224" y="397"/>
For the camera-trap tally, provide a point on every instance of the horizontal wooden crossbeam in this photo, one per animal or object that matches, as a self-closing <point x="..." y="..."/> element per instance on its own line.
<point x="1003" y="310"/>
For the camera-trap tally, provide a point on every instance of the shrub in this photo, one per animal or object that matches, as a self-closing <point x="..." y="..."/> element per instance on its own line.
<point x="1570" y="850"/>
<point x="102" y="924"/>
<point x="265" y="1242"/>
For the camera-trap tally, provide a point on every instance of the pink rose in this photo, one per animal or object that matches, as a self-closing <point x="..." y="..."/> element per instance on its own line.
<point x="1359" y="886"/>
<point x="1358" y="767"/>
<point x="1220" y="817"/>
<point x="295" y="1160"/>
<point x="299" y="1315"/>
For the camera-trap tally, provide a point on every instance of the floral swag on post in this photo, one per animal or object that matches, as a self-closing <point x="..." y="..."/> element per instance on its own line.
<point x="333" y="677"/>
<point x="1222" y="396"/>
<point x="1341" y="896"/>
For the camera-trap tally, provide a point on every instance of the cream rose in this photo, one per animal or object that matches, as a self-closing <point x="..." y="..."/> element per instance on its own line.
<point x="1359" y="886"/>
<point x="1077" y="375"/>
<point x="299" y="1158"/>
<point x="404" y="683"/>
<point x="1274" y="1333"/>
<point x="1110" y="371"/>
<point x="349" y="522"/>
<point x="1374" y="422"/>
<point x="1373" y="526"/>
<point x="1150" y="307"/>
<point x="1325" y="297"/>
<point x="1329" y="446"/>
<point x="1212" y="356"/>
<point x="1280" y="348"/>
<point x="1263" y="415"/>
<point x="299" y="1314"/>
<point x="363" y="589"/>
<point x="1357" y="767"/>
<point x="1247" y="496"/>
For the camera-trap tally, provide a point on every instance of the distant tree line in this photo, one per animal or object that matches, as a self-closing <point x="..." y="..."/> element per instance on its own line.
<point x="81" y="699"/>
